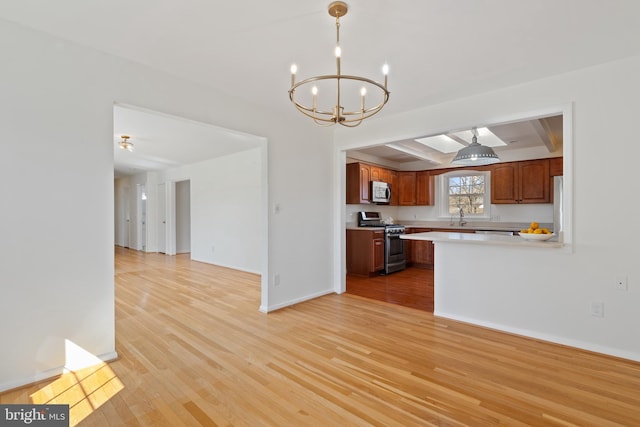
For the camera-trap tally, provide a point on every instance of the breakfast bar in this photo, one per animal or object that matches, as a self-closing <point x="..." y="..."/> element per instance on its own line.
<point x="482" y="239"/>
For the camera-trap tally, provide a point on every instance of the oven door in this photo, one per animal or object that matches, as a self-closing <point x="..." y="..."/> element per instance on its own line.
<point x="394" y="253"/>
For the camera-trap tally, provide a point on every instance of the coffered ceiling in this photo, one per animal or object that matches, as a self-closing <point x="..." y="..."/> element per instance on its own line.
<point x="526" y="139"/>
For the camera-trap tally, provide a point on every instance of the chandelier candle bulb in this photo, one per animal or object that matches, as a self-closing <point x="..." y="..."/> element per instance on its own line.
<point x="294" y="70"/>
<point x="385" y="72"/>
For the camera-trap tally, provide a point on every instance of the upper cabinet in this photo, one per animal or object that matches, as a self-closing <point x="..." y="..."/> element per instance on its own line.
<point x="555" y="166"/>
<point x="358" y="177"/>
<point x="521" y="182"/>
<point x="425" y="189"/>
<point x="393" y="183"/>
<point x="511" y="183"/>
<point x="415" y="188"/>
<point x="406" y="188"/>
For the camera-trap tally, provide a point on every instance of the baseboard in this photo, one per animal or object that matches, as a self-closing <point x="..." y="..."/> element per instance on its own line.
<point x="569" y="342"/>
<point x="295" y="301"/>
<point x="49" y="373"/>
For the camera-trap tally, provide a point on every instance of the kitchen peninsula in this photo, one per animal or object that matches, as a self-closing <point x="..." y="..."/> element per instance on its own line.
<point x="481" y="238"/>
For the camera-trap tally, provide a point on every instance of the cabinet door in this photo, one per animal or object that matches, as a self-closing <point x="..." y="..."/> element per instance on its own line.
<point x="365" y="179"/>
<point x="424" y="188"/>
<point x="504" y="182"/>
<point x="378" y="255"/>
<point x="534" y="181"/>
<point x="375" y="173"/>
<point x="421" y="250"/>
<point x="357" y="180"/>
<point x="393" y="183"/>
<point x="406" y="188"/>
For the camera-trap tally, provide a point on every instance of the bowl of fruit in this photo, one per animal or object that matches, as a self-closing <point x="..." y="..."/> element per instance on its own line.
<point x="535" y="232"/>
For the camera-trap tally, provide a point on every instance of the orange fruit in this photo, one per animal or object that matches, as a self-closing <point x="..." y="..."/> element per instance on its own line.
<point x="534" y="225"/>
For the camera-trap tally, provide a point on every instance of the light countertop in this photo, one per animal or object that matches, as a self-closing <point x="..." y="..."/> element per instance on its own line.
<point x="473" y="238"/>
<point x="470" y="225"/>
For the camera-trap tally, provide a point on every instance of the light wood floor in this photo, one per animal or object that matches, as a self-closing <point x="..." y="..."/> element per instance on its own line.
<point x="195" y="350"/>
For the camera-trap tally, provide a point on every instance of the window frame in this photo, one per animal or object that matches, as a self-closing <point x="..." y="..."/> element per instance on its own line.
<point x="442" y="196"/>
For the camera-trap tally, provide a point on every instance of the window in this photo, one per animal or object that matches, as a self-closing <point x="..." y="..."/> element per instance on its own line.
<point x="468" y="190"/>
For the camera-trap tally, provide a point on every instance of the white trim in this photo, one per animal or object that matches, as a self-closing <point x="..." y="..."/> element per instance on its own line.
<point x="544" y="337"/>
<point x="266" y="309"/>
<point x="50" y="373"/>
<point x="442" y="197"/>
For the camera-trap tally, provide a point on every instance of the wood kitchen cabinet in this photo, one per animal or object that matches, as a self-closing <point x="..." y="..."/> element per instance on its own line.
<point x="393" y="183"/>
<point x="416" y="188"/>
<point x="380" y="174"/>
<point x="421" y="252"/>
<point x="358" y="180"/>
<point x="406" y="188"/>
<point x="358" y="189"/>
<point x="521" y="182"/>
<point x="555" y="166"/>
<point x="365" y="251"/>
<point x="425" y="189"/>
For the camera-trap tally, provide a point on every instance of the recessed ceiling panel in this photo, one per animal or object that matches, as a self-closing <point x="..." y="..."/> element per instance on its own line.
<point x="442" y="143"/>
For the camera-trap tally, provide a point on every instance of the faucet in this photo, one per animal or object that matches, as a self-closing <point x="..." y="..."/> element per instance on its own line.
<point x="462" y="221"/>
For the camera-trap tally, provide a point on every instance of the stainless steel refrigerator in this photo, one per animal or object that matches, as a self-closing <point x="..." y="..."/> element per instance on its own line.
<point x="557" y="207"/>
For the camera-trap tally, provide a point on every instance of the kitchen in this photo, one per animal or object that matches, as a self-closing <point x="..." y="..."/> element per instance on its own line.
<point x="524" y="186"/>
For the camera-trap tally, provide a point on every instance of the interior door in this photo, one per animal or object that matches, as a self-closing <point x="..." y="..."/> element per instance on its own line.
<point x="162" y="219"/>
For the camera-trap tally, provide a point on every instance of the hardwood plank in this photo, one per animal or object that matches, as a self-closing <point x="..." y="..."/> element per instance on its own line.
<point x="194" y="350"/>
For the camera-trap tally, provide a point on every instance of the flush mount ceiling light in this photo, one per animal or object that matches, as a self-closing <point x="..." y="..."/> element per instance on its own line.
<point x="475" y="154"/>
<point x="337" y="113"/>
<point x="125" y="144"/>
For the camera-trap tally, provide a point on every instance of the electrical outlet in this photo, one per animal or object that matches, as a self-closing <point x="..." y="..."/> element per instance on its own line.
<point x="597" y="309"/>
<point x="276" y="208"/>
<point x="621" y="283"/>
<point x="276" y="279"/>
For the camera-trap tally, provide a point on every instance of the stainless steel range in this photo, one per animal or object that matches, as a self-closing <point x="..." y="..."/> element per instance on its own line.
<point x="394" y="246"/>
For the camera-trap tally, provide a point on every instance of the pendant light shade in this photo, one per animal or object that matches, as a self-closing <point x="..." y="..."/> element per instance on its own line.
<point x="475" y="154"/>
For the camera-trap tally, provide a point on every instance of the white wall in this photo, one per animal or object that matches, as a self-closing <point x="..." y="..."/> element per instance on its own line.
<point x="541" y="292"/>
<point x="226" y="209"/>
<point x="56" y="272"/>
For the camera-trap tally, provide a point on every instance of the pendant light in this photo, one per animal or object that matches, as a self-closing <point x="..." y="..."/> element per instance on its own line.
<point x="475" y="154"/>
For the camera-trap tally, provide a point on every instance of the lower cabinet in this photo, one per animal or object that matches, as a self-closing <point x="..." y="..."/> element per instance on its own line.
<point x="365" y="251"/>
<point x="421" y="252"/>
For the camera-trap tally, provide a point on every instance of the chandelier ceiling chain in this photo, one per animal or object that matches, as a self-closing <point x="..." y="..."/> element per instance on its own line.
<point x="339" y="114"/>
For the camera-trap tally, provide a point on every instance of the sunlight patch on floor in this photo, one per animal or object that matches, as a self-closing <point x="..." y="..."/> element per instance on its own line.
<point x="87" y="384"/>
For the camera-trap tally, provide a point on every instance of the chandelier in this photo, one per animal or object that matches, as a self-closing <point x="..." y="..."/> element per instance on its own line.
<point x="475" y="154"/>
<point x="125" y="144"/>
<point x="337" y="113"/>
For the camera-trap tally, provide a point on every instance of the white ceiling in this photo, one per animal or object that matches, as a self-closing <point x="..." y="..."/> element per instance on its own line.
<point x="437" y="49"/>
<point x="161" y="141"/>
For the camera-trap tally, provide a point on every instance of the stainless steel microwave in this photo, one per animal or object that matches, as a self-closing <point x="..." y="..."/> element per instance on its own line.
<point x="380" y="192"/>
